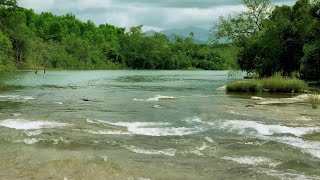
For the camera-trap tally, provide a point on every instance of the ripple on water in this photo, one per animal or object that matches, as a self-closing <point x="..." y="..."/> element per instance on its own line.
<point x="108" y="132"/>
<point x="267" y="132"/>
<point x="167" y="152"/>
<point x="157" y="129"/>
<point x="290" y="174"/>
<point x="252" y="160"/>
<point x="16" y="97"/>
<point x="157" y="98"/>
<point x="265" y="129"/>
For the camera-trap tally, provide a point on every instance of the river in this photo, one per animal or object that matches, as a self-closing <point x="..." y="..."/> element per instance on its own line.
<point x="140" y="125"/>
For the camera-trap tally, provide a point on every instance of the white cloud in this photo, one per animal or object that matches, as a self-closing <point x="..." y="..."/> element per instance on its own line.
<point x="153" y="14"/>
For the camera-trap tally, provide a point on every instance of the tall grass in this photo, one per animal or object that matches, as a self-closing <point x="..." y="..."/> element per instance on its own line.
<point x="272" y="84"/>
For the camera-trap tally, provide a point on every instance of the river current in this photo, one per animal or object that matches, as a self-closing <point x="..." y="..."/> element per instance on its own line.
<point x="140" y="125"/>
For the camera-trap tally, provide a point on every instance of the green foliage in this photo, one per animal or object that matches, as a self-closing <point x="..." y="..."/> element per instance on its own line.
<point x="6" y="64"/>
<point x="242" y="25"/>
<point x="64" y="42"/>
<point x="229" y="53"/>
<point x="273" y="84"/>
<point x="310" y="65"/>
<point x="287" y="42"/>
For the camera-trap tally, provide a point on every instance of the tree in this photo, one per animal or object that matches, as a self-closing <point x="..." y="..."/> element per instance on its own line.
<point x="242" y="25"/>
<point x="9" y="4"/>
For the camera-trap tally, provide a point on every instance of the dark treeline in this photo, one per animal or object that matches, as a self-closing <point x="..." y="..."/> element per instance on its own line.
<point x="284" y="39"/>
<point x="33" y="41"/>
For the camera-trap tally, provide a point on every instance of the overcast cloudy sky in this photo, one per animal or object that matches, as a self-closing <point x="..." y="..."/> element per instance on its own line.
<point x="153" y="14"/>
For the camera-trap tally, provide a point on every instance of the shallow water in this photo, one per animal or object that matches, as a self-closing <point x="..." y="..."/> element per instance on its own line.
<point x="150" y="125"/>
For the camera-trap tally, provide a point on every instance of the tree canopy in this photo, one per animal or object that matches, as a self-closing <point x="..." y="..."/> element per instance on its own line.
<point x="31" y="41"/>
<point x="287" y="42"/>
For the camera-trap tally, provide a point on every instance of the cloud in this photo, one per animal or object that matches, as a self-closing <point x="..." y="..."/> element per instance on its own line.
<point x="153" y="14"/>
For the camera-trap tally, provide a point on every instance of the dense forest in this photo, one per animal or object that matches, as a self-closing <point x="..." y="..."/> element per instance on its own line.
<point x="32" y="41"/>
<point x="276" y="40"/>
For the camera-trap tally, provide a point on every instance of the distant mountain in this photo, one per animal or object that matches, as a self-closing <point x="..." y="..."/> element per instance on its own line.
<point x="150" y="33"/>
<point x="201" y="36"/>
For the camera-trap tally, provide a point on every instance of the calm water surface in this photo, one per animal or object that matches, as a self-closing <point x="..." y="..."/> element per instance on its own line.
<point x="150" y="125"/>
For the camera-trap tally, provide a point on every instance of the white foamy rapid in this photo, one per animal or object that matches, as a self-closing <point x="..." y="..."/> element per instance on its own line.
<point x="265" y="129"/>
<point x="252" y="160"/>
<point x="311" y="147"/>
<point x="157" y="98"/>
<point x="156" y="129"/>
<point x="29" y="125"/>
<point x="167" y="152"/>
<point x="16" y="97"/>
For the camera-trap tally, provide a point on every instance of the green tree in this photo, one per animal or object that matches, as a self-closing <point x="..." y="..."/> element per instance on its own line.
<point x="242" y="25"/>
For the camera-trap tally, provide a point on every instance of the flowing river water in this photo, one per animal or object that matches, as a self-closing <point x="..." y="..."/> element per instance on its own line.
<point x="140" y="125"/>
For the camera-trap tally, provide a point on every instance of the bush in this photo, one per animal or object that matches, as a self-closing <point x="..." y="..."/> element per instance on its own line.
<point x="245" y="86"/>
<point x="272" y="84"/>
<point x="282" y="84"/>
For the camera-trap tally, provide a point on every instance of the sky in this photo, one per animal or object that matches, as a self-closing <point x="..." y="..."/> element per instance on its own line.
<point x="152" y="14"/>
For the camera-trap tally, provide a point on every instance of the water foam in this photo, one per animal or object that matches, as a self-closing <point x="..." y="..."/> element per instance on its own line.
<point x="157" y="98"/>
<point x="28" y="141"/>
<point x="17" y="97"/>
<point x="105" y="132"/>
<point x="156" y="129"/>
<point x="311" y="147"/>
<point x="198" y="150"/>
<point x="33" y="133"/>
<point x="292" y="175"/>
<point x="265" y="129"/>
<point x="96" y="121"/>
<point x="29" y="125"/>
<point x="167" y="152"/>
<point x="252" y="160"/>
<point x="60" y="103"/>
